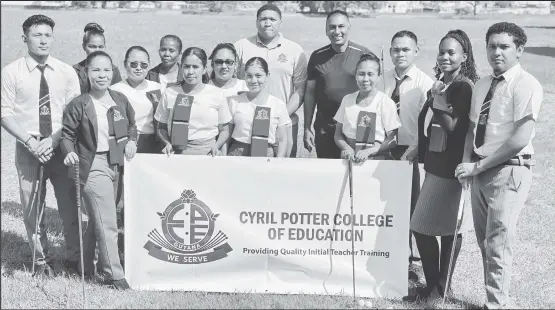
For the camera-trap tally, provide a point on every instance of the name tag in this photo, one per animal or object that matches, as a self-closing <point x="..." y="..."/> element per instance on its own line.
<point x="180" y="120"/>
<point x="366" y="130"/>
<point x="260" y="131"/>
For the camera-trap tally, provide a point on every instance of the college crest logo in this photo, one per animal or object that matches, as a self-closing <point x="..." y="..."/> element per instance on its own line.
<point x="188" y="237"/>
<point x="44" y="110"/>
<point x="365" y="121"/>
<point x="117" y="116"/>
<point x="184" y="102"/>
<point x="282" y="58"/>
<point x="262" y="114"/>
<point x="483" y="120"/>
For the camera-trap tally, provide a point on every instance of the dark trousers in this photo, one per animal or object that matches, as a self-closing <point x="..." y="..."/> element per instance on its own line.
<point x="324" y="130"/>
<point x="436" y="263"/>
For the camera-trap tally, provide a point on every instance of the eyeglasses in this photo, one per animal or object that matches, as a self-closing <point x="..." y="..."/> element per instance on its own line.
<point x="220" y="62"/>
<point x="135" y="64"/>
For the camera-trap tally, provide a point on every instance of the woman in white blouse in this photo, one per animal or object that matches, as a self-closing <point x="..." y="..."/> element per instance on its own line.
<point x="144" y="96"/>
<point x="224" y="70"/>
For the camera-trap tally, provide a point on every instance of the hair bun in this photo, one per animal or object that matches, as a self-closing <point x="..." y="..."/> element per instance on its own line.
<point x="94" y="27"/>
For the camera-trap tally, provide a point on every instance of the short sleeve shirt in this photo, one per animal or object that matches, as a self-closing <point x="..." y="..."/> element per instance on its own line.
<point x="386" y="114"/>
<point x="242" y="111"/>
<point x="209" y="109"/>
<point x="334" y="74"/>
<point x="143" y="107"/>
<point x="517" y="96"/>
<point x="240" y="85"/>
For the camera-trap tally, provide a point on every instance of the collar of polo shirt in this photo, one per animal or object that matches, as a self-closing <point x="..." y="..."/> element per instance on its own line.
<point x="273" y="44"/>
<point x="411" y="73"/>
<point x="509" y="74"/>
<point x="32" y="63"/>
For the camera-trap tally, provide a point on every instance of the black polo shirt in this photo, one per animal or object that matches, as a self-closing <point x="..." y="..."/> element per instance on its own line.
<point x="334" y="74"/>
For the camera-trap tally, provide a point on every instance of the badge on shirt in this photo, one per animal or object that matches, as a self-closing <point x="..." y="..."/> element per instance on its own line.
<point x="117" y="116"/>
<point x="366" y="130"/>
<point x="483" y="120"/>
<point x="44" y="110"/>
<point x="180" y="120"/>
<point x="282" y="58"/>
<point x="154" y="96"/>
<point x="260" y="131"/>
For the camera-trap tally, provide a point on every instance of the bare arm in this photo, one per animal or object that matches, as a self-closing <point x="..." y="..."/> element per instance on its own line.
<point x="309" y="103"/>
<point x="339" y="138"/>
<point x="469" y="143"/>
<point x="223" y="135"/>
<point x="282" y="141"/>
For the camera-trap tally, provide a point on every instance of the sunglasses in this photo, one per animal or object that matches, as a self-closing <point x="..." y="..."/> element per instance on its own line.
<point x="219" y="62"/>
<point x="135" y="64"/>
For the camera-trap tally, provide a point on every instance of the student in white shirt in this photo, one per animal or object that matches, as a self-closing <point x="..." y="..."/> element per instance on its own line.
<point x="168" y="71"/>
<point x="243" y="107"/>
<point x="224" y="70"/>
<point x="144" y="96"/>
<point x="367" y="98"/>
<point x="208" y="128"/>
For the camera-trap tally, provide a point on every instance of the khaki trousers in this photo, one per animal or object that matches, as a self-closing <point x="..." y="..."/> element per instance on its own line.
<point x="498" y="197"/>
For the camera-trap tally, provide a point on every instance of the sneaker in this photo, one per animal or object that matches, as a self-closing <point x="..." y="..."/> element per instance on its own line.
<point x="44" y="271"/>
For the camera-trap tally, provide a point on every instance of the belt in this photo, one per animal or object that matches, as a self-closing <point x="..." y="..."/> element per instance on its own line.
<point x="102" y="153"/>
<point x="519" y="160"/>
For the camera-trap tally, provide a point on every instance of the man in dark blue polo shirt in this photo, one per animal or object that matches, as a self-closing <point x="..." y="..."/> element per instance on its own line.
<point x="331" y="75"/>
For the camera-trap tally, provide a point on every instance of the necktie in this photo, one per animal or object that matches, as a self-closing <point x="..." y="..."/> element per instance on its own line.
<point x="45" y="119"/>
<point x="484" y="113"/>
<point x="395" y="94"/>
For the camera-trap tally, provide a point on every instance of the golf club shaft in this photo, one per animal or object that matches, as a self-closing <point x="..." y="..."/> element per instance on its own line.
<point x="37" y="198"/>
<point x="352" y="226"/>
<point x="80" y="219"/>
<point x="383" y="70"/>
<point x="460" y="214"/>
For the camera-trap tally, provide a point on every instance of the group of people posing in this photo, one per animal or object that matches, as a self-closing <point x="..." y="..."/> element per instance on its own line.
<point x="463" y="128"/>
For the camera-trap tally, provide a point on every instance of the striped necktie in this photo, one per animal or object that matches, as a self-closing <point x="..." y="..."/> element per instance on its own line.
<point x="45" y="118"/>
<point x="484" y="113"/>
<point x="395" y="94"/>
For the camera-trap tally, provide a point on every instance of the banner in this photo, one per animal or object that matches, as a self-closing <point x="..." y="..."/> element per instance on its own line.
<point x="260" y="225"/>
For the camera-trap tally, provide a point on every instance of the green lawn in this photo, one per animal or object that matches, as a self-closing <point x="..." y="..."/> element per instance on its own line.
<point x="532" y="282"/>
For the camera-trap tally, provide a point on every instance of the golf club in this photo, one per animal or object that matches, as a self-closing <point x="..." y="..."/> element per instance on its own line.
<point x="460" y="213"/>
<point x="383" y="69"/>
<point x="352" y="225"/>
<point x="80" y="219"/>
<point x="38" y="213"/>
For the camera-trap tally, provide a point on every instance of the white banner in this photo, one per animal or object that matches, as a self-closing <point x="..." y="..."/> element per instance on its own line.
<point x="241" y="224"/>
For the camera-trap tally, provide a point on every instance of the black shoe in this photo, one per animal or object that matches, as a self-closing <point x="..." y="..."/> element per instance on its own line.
<point x="72" y="267"/>
<point x="119" y="284"/>
<point x="422" y="293"/>
<point x="44" y="271"/>
<point x="415" y="273"/>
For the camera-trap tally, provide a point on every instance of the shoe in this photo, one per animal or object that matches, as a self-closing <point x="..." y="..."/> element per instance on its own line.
<point x="415" y="273"/>
<point x="44" y="271"/>
<point x="422" y="294"/>
<point x="118" y="284"/>
<point x="72" y="267"/>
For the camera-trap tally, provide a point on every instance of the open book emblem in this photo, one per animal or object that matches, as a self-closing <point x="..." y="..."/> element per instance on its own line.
<point x="483" y="119"/>
<point x="365" y="121"/>
<point x="262" y="114"/>
<point x="117" y="116"/>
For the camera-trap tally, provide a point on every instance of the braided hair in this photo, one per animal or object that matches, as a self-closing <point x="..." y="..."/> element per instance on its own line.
<point x="468" y="68"/>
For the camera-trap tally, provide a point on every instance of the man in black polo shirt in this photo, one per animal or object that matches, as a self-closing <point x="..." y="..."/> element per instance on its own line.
<point x="331" y="75"/>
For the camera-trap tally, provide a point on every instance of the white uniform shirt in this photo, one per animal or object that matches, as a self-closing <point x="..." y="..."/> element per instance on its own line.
<point x="240" y="85"/>
<point x="516" y="97"/>
<point x="21" y="87"/>
<point x="101" y="108"/>
<point x="242" y="111"/>
<point x="386" y="114"/>
<point x="412" y="96"/>
<point x="143" y="107"/>
<point x="209" y="109"/>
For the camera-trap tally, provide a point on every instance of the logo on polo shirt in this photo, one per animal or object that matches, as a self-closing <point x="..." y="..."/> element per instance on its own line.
<point x="282" y="58"/>
<point x="262" y="114"/>
<point x="117" y="116"/>
<point x="188" y="233"/>
<point x="365" y="121"/>
<point x="184" y="102"/>
<point x="44" y="110"/>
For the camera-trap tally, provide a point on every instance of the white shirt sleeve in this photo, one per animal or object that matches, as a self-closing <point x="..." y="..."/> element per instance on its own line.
<point x="162" y="112"/>
<point x="224" y="115"/>
<point x="527" y="99"/>
<point x="231" y="105"/>
<point x="8" y="93"/>
<point x="340" y="115"/>
<point x="73" y="87"/>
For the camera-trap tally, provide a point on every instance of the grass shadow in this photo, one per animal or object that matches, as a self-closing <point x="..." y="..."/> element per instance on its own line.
<point x="541" y="51"/>
<point x="16" y="254"/>
<point x="52" y="219"/>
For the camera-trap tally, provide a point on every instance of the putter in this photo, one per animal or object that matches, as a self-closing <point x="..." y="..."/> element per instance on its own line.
<point x="460" y="214"/>
<point x="80" y="218"/>
<point x="352" y="226"/>
<point x="38" y="213"/>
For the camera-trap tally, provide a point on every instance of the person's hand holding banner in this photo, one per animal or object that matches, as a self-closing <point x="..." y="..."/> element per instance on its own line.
<point x="130" y="149"/>
<point x="214" y="151"/>
<point x="168" y="149"/>
<point x="362" y="155"/>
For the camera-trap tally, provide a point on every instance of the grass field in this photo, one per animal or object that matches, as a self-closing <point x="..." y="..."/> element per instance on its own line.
<point x="533" y="284"/>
